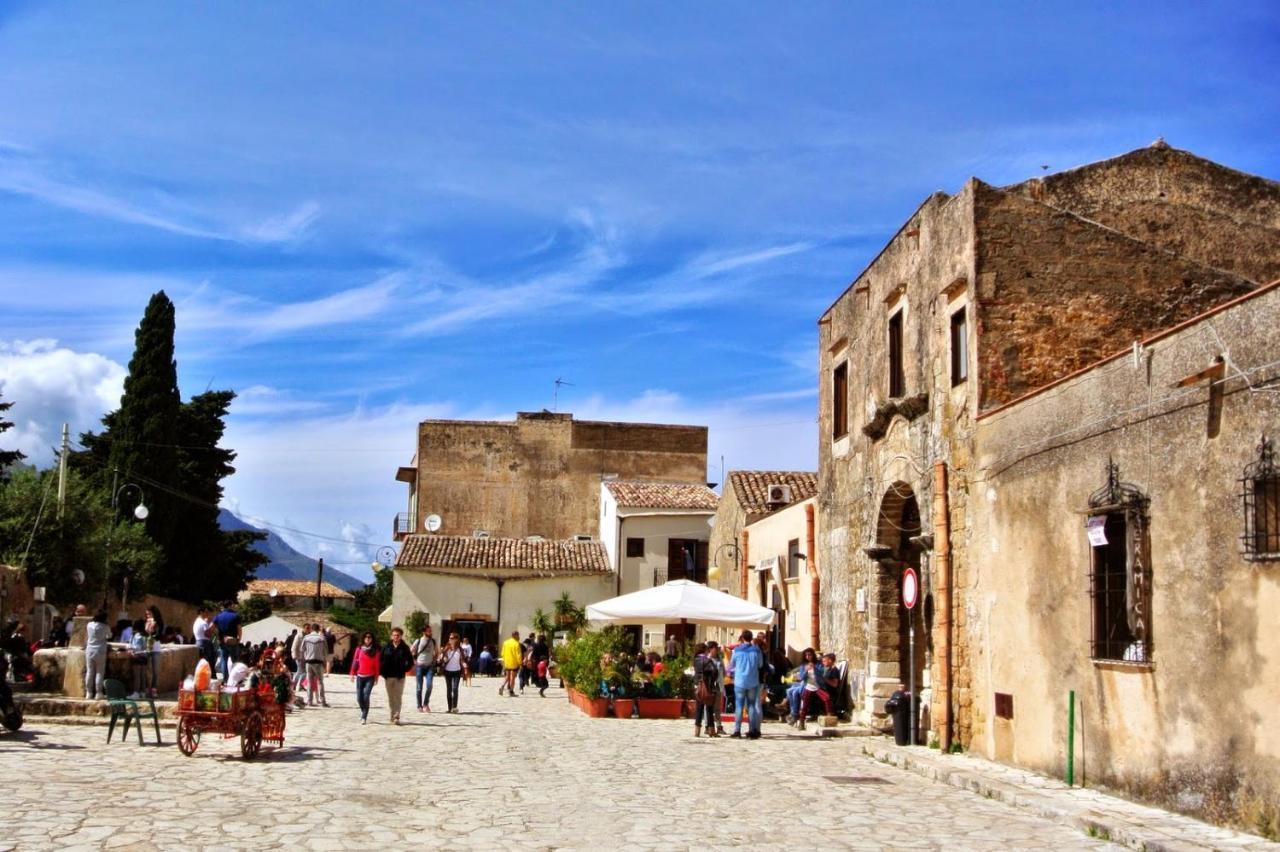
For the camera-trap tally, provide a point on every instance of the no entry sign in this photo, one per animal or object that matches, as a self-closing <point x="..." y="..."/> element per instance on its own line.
<point x="910" y="588"/>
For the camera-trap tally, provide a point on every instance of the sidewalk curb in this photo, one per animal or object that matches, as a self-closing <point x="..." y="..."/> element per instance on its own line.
<point x="1070" y="806"/>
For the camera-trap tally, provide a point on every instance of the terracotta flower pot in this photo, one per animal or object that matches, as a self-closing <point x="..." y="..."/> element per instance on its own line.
<point x="660" y="708"/>
<point x="622" y="707"/>
<point x="596" y="708"/>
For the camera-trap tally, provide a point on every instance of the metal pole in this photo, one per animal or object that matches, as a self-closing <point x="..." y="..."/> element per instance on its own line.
<point x="1071" y="738"/>
<point x="111" y="522"/>
<point x="911" y="670"/>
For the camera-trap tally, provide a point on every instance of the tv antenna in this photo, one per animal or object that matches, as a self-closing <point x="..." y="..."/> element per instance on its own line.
<point x="555" y="397"/>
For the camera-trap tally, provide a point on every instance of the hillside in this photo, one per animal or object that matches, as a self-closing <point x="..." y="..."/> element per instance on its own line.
<point x="286" y="563"/>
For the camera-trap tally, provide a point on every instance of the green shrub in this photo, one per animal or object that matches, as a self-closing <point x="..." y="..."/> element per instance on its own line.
<point x="413" y="624"/>
<point x="579" y="659"/>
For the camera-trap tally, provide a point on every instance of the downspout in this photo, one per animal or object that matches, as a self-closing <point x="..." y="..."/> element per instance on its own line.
<point x="618" y="549"/>
<point x="814" y="623"/>
<point x="742" y="568"/>
<point x="942" y="557"/>
<point x="499" y="615"/>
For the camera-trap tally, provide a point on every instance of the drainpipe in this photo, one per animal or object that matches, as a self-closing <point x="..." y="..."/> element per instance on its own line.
<point x="942" y="557"/>
<point x="742" y="568"/>
<point x="499" y="615"/>
<point x="814" y="624"/>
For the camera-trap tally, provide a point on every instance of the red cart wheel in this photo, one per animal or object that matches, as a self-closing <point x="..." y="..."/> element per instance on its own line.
<point x="251" y="736"/>
<point x="188" y="736"/>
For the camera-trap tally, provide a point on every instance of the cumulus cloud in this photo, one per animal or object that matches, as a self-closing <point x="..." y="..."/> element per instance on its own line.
<point x="50" y="385"/>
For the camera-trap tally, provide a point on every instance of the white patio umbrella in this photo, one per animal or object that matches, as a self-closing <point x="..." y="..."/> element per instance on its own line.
<point x="680" y="600"/>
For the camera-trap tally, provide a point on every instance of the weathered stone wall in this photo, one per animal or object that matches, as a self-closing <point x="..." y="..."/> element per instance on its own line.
<point x="1196" y="730"/>
<point x="1056" y="292"/>
<point x="540" y="475"/>
<point x="1178" y="201"/>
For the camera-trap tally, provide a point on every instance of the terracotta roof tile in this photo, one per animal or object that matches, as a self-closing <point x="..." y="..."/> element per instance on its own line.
<point x="662" y="495"/>
<point x="295" y="588"/>
<point x="751" y="486"/>
<point x="514" y="557"/>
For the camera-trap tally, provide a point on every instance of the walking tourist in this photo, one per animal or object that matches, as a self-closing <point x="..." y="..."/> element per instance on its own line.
<point x="512" y="656"/>
<point x="397" y="661"/>
<point x="228" y="624"/>
<point x="364" y="671"/>
<point x="330" y="642"/>
<point x="453" y="664"/>
<point x="425" y="650"/>
<point x="96" y="636"/>
<point x="717" y="658"/>
<point x="200" y="630"/>
<point x="295" y="654"/>
<point x="541" y="662"/>
<point x="527" y="662"/>
<point x="466" y="653"/>
<point x="314" y="651"/>
<point x="705" y="676"/>
<point x="746" y="662"/>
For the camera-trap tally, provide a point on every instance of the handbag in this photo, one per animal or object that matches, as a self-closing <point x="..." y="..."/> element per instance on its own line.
<point x="702" y="693"/>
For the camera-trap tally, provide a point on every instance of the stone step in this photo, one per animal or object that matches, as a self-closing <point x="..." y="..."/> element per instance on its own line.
<point x="56" y="706"/>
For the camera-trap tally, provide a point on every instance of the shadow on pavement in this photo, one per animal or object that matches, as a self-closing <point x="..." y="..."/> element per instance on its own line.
<point x="30" y="739"/>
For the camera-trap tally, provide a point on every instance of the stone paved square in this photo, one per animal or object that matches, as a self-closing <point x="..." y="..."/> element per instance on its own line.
<point x="513" y="773"/>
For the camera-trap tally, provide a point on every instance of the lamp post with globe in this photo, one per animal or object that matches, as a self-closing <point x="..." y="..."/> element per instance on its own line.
<point x="140" y="512"/>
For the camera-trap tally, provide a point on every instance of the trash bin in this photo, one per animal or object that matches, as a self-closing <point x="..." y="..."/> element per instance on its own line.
<point x="899" y="706"/>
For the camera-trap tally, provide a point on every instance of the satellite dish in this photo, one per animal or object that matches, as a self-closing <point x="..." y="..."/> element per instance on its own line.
<point x="433" y="523"/>
<point x="273" y="592"/>
<point x="78" y="576"/>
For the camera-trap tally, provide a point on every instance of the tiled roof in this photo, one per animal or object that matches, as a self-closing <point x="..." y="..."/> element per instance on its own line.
<point x="509" y="557"/>
<point x="751" y="486"/>
<point x="662" y="495"/>
<point x="295" y="588"/>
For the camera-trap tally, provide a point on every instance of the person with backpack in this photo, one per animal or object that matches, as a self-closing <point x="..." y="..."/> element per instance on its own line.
<point x="364" y="673"/>
<point x="706" y="677"/>
<point x="425" y="650"/>
<point x="314" y="650"/>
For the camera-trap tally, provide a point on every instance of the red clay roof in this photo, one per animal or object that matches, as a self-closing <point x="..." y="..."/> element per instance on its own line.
<point x="504" y="556"/>
<point x="295" y="588"/>
<point x="662" y="495"/>
<point x="751" y="486"/>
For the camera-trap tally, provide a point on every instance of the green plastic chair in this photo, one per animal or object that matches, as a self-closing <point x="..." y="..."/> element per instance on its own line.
<point x="124" y="707"/>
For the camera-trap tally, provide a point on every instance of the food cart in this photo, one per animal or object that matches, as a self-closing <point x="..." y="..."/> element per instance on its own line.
<point x="253" y="715"/>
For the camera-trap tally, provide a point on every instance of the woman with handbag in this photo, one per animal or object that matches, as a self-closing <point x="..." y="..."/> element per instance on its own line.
<point x="454" y="666"/>
<point x="365" y="669"/>
<point x="706" y="691"/>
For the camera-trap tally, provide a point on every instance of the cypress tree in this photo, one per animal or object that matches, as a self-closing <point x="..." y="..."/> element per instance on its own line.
<point x="143" y="441"/>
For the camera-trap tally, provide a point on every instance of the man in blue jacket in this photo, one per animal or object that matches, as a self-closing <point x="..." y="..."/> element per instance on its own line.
<point x="746" y="662"/>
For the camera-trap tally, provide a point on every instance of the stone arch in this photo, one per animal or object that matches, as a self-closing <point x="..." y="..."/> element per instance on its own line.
<point x="898" y="522"/>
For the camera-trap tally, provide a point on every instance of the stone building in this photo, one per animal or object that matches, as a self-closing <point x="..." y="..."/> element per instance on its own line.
<point x="539" y="474"/>
<point x="298" y="594"/>
<point x="979" y="300"/>
<point x="782" y="575"/>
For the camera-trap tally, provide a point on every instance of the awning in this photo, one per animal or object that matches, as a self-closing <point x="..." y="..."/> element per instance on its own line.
<point x="683" y="601"/>
<point x="385" y="615"/>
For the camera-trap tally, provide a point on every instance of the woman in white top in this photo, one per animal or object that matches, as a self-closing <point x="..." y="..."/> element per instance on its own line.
<point x="466" y="655"/>
<point x="96" y="636"/>
<point x="455" y="664"/>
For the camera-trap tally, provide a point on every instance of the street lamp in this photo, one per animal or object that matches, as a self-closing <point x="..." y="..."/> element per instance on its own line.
<point x="386" y="552"/>
<point x="713" y="573"/>
<point x="140" y="512"/>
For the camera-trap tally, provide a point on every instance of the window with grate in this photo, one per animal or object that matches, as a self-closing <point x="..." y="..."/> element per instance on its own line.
<point x="897" y="375"/>
<point x="635" y="547"/>
<point x="840" y="401"/>
<point x="1260" y="495"/>
<point x="1120" y="573"/>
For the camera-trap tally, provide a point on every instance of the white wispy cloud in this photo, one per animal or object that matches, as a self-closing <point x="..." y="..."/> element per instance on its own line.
<point x="285" y="228"/>
<point x="257" y="319"/>
<point x="50" y="385"/>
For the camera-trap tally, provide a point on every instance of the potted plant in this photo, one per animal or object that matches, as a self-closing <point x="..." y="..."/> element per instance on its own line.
<point x="667" y="693"/>
<point x="618" y="674"/>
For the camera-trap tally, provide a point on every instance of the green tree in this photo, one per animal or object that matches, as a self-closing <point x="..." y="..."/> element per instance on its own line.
<point x="255" y="608"/>
<point x="70" y="556"/>
<point x="7" y="457"/>
<point x="413" y="624"/>
<point x="376" y="596"/>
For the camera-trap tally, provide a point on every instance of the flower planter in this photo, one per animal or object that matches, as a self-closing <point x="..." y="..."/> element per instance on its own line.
<point x="660" y="708"/>
<point x="596" y="708"/>
<point x="622" y="707"/>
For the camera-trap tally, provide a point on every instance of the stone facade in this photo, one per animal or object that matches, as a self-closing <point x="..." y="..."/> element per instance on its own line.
<point x="978" y="301"/>
<point x="541" y="474"/>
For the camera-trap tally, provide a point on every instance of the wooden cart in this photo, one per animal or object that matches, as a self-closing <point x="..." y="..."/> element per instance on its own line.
<point x="251" y="715"/>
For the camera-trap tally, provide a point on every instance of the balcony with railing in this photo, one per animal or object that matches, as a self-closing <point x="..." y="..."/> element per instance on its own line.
<point x="405" y="523"/>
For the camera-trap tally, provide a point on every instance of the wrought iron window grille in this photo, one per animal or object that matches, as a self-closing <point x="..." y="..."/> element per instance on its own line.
<point x="1120" y="573"/>
<point x="1260" y="498"/>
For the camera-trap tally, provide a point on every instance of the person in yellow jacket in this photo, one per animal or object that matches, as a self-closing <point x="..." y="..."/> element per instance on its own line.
<point x="512" y="656"/>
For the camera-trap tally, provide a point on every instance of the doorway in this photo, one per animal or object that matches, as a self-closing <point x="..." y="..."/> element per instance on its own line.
<point x="898" y="524"/>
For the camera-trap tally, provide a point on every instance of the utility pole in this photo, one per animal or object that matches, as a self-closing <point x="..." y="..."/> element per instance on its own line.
<point x="319" y="580"/>
<point x="62" y="469"/>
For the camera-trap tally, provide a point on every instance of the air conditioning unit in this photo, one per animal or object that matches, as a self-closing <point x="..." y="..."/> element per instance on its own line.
<point x="533" y="538"/>
<point x="777" y="495"/>
<point x="481" y="534"/>
<point x="581" y="537"/>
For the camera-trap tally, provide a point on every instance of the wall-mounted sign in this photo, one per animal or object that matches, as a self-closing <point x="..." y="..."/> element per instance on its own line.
<point x="910" y="588"/>
<point x="1097" y="527"/>
<point x="769" y="563"/>
<point x="860" y="600"/>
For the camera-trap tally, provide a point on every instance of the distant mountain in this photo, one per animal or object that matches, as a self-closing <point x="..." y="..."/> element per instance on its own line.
<point x="286" y="563"/>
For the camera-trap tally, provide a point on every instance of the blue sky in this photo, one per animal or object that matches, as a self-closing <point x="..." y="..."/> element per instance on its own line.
<point x="368" y="215"/>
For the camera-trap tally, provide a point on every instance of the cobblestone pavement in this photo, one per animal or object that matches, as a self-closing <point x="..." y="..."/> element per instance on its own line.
<point x="517" y="773"/>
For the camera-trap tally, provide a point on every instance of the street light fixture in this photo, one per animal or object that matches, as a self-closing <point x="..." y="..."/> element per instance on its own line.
<point x="140" y="512"/>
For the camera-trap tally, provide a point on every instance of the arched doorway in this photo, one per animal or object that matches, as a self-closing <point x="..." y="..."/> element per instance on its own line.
<point x="898" y="524"/>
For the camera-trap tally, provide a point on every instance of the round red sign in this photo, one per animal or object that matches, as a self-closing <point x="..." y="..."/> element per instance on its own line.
<point x="910" y="588"/>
